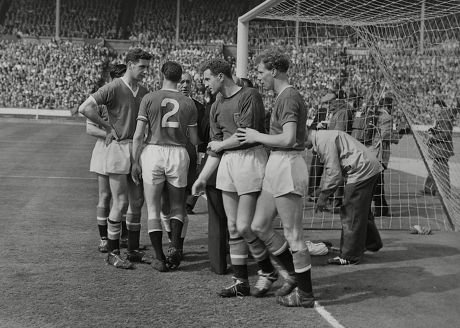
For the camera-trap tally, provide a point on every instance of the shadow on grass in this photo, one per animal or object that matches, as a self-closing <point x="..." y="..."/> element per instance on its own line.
<point x="395" y="251"/>
<point x="358" y="286"/>
<point x="355" y="286"/>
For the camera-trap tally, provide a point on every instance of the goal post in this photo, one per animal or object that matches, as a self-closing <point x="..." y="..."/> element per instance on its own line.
<point x="406" y="50"/>
<point x="242" y="49"/>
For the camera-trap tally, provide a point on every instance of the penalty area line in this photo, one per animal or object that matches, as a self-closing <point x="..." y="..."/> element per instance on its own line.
<point x="327" y="316"/>
<point x="43" y="177"/>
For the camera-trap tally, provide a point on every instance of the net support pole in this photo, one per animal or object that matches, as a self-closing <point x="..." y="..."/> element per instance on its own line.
<point x="242" y="49"/>
<point x="422" y="29"/>
<point x="58" y="20"/>
<point x="297" y="25"/>
<point x="177" y="21"/>
<point x="443" y="203"/>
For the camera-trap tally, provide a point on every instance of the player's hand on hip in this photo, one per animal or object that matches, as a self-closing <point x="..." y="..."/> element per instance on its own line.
<point x="198" y="187"/>
<point x="110" y="136"/>
<point x="247" y="135"/>
<point x="136" y="173"/>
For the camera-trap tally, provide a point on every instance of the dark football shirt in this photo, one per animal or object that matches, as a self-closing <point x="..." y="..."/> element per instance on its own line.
<point x="169" y="113"/>
<point x="290" y="107"/>
<point x="122" y="106"/>
<point x="244" y="109"/>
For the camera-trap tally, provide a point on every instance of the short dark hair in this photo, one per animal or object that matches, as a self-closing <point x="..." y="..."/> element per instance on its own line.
<point x="217" y="66"/>
<point x="136" y="54"/>
<point x="117" y="70"/>
<point x="273" y="59"/>
<point x="172" y="71"/>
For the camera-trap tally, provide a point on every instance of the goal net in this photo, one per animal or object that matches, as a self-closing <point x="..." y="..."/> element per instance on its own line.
<point x="400" y="55"/>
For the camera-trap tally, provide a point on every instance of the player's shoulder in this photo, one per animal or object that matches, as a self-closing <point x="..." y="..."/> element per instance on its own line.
<point x="290" y="92"/>
<point x="250" y="92"/>
<point x="112" y="85"/>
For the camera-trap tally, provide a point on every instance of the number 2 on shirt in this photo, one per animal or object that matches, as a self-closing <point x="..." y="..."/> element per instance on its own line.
<point x="164" y="121"/>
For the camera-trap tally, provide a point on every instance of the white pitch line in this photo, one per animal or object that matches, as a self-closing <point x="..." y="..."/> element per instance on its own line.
<point x="43" y="177"/>
<point x="327" y="316"/>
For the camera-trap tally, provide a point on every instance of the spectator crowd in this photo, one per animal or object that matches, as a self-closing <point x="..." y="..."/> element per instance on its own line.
<point x="58" y="74"/>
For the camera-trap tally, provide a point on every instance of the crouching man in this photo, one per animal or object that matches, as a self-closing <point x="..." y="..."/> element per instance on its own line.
<point x="345" y="157"/>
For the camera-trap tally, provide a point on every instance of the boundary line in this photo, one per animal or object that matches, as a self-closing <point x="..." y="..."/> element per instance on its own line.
<point x="327" y="316"/>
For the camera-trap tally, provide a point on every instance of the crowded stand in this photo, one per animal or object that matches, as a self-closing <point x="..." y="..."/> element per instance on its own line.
<point x="49" y="75"/>
<point x="60" y="72"/>
<point x="154" y="20"/>
<point x="79" y="19"/>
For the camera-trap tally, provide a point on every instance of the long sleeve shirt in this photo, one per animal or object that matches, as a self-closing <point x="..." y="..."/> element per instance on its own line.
<point x="343" y="156"/>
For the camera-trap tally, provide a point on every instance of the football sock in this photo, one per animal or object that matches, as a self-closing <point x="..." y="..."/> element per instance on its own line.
<point x="240" y="272"/>
<point x="302" y="265"/>
<point x="176" y="231"/>
<point x="113" y="232"/>
<point x="101" y="215"/>
<point x="285" y="258"/>
<point x="156" y="240"/>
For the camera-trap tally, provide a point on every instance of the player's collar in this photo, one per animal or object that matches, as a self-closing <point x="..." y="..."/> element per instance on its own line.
<point x="282" y="90"/>
<point x="126" y="83"/>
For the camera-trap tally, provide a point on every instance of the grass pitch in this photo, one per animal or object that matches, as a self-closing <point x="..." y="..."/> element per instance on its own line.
<point x="51" y="274"/>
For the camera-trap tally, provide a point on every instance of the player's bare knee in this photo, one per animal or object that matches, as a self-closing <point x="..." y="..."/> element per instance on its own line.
<point x="244" y="229"/>
<point x="232" y="230"/>
<point x="104" y="198"/>
<point x="259" y="229"/>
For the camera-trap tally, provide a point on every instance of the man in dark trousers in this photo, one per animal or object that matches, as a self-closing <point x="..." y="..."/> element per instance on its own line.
<point x="345" y="158"/>
<point x="217" y="220"/>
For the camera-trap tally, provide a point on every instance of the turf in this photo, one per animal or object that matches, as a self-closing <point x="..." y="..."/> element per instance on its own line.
<point x="53" y="276"/>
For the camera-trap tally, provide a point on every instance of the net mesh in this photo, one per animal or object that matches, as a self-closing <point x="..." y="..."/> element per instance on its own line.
<point x="372" y="52"/>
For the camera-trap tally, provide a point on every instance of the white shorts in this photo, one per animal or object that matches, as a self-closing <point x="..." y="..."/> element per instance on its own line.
<point x="162" y="163"/>
<point x="118" y="159"/>
<point x="286" y="173"/>
<point x="242" y="171"/>
<point x="98" y="157"/>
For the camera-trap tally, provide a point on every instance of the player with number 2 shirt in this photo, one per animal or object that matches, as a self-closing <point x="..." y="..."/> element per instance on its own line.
<point x="164" y="159"/>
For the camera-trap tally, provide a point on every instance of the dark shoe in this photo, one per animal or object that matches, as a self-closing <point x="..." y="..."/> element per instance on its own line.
<point x="288" y="286"/>
<point x="374" y="247"/>
<point x="264" y="283"/>
<point x="113" y="258"/>
<point x="123" y="242"/>
<point x="297" y="298"/>
<point x="173" y="258"/>
<point x="340" y="261"/>
<point x="138" y="256"/>
<point x="103" y="246"/>
<point x="238" y="288"/>
<point x="159" y="265"/>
